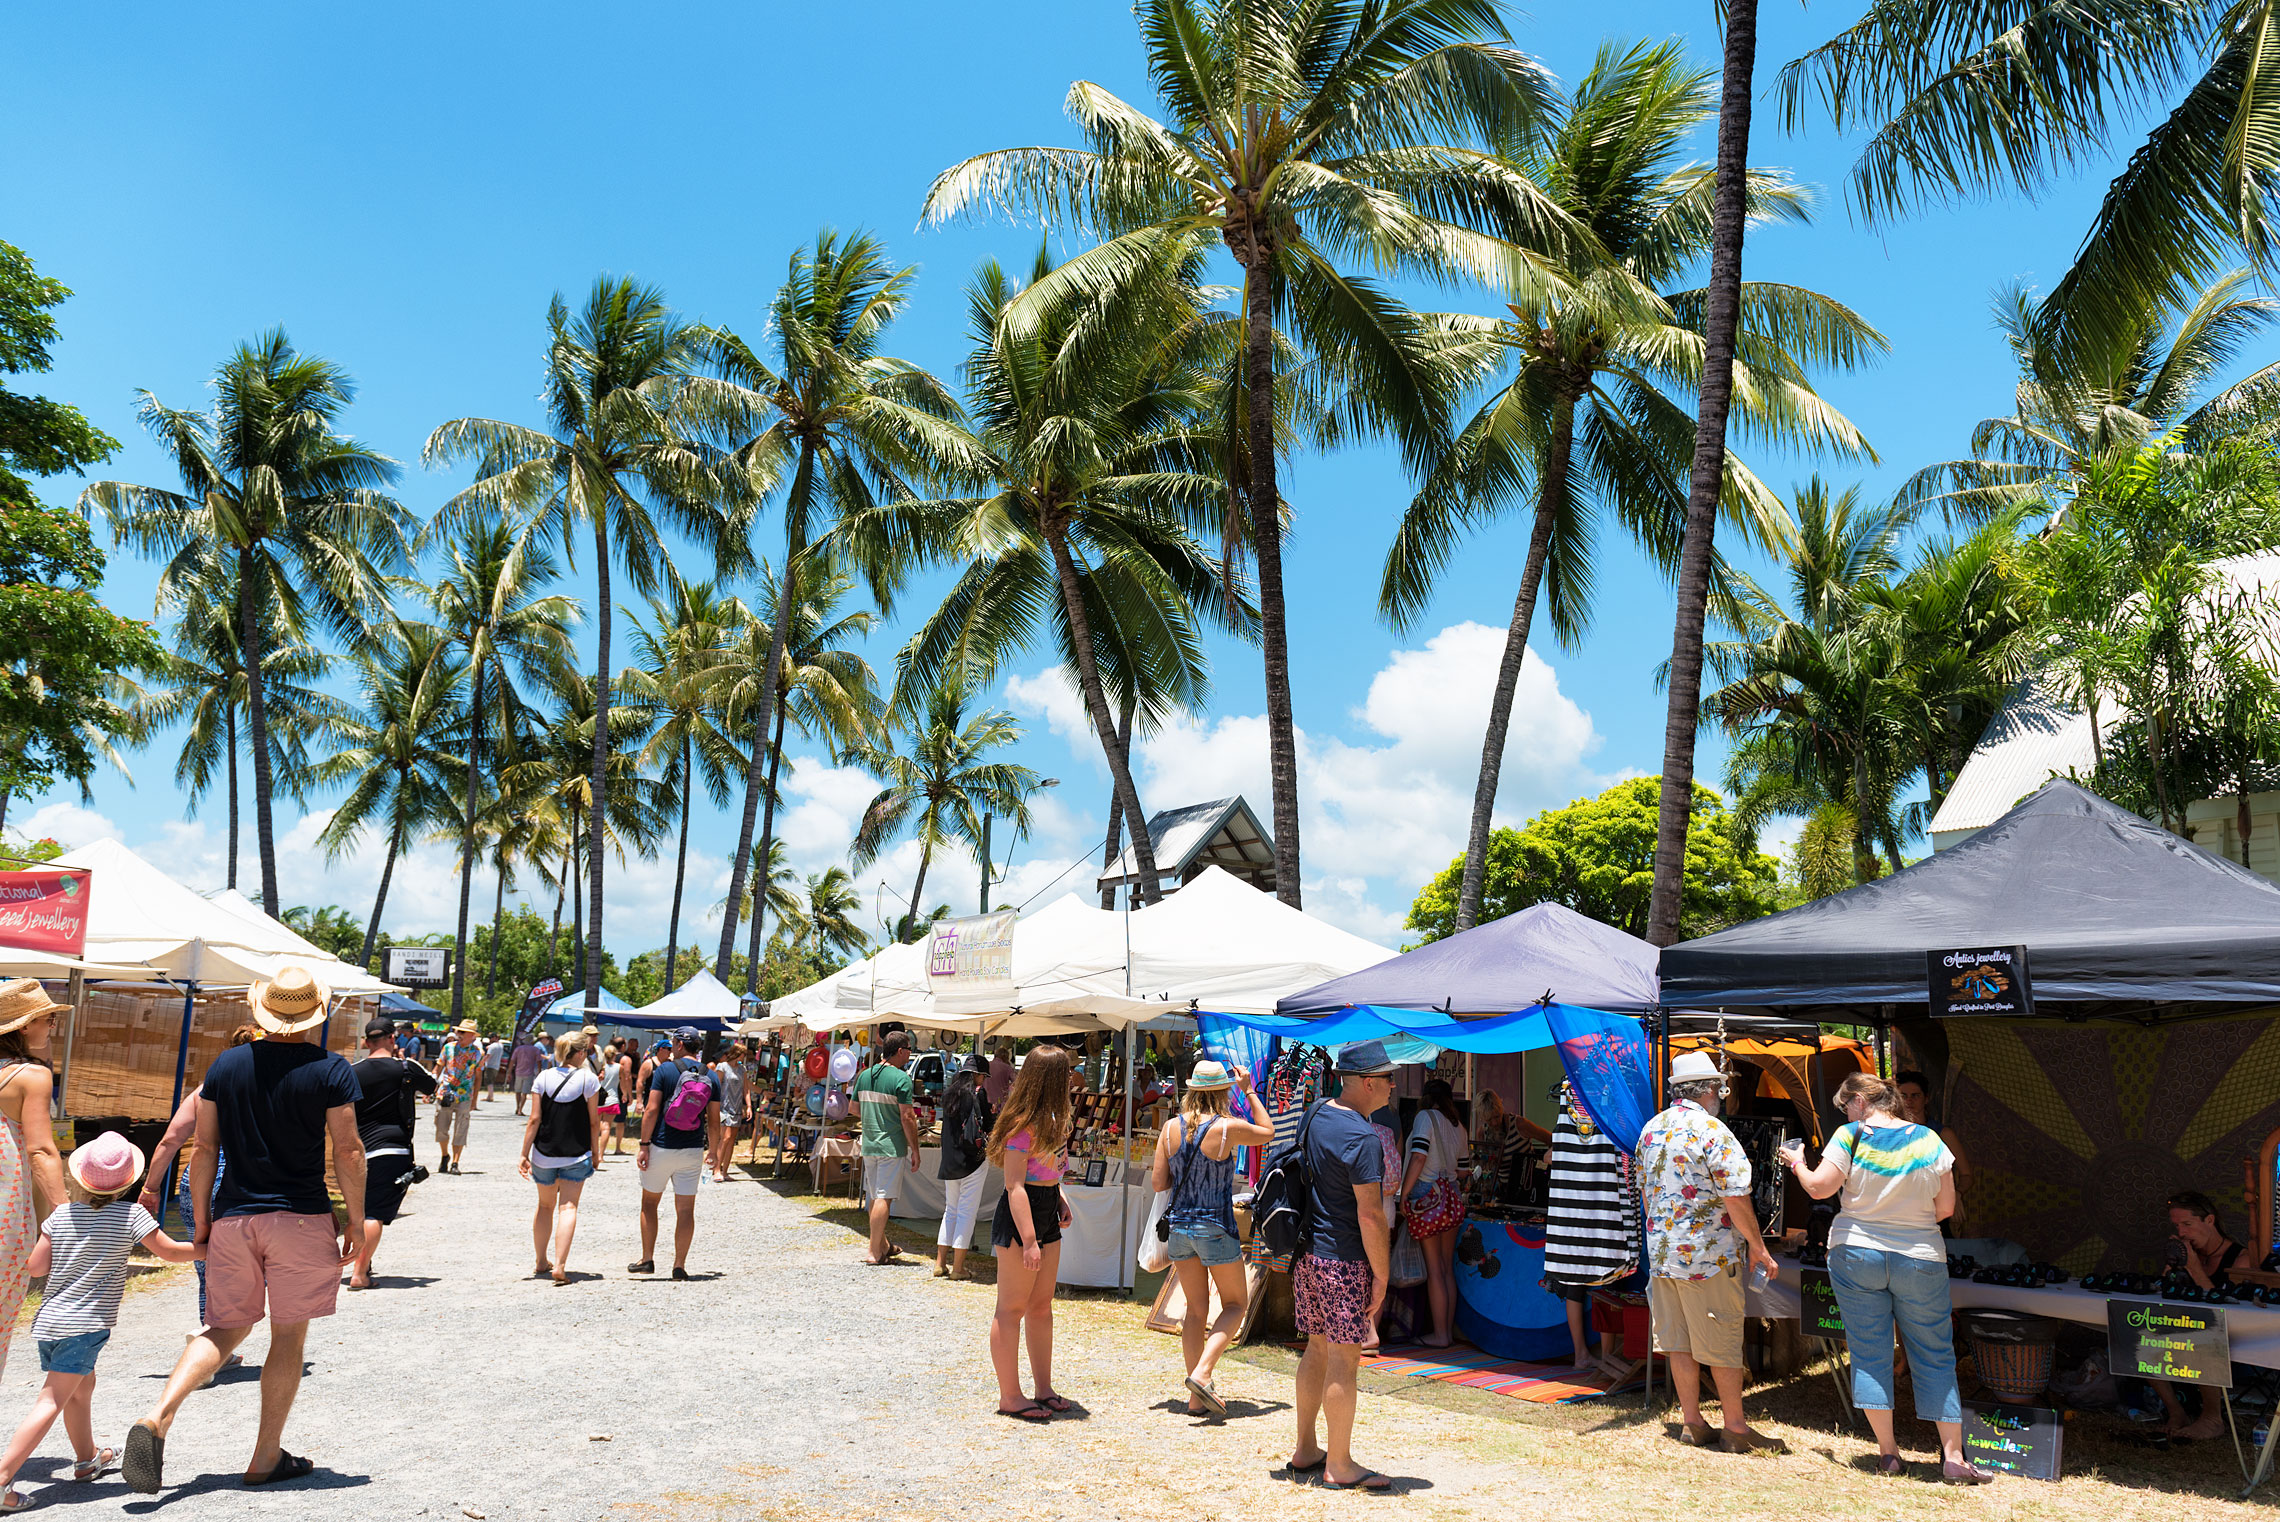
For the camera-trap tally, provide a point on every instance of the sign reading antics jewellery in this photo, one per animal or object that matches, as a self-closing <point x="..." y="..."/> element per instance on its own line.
<point x="1980" y="980"/>
<point x="44" y="911"/>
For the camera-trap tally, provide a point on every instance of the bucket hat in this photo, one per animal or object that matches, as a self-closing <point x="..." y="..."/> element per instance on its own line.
<point x="107" y="1164"/>
<point x="1209" y="1075"/>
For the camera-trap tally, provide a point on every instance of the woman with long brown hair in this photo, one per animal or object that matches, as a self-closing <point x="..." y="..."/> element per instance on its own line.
<point x="29" y="1159"/>
<point x="1030" y="1142"/>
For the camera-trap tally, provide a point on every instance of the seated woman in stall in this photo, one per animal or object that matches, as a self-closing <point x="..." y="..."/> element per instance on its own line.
<point x="1916" y="1105"/>
<point x="2198" y="1244"/>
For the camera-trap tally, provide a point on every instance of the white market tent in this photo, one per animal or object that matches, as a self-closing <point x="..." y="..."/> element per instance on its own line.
<point x="702" y="1003"/>
<point x="1224" y="947"/>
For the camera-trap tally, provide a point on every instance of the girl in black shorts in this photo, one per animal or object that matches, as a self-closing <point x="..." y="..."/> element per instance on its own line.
<point x="1029" y="1142"/>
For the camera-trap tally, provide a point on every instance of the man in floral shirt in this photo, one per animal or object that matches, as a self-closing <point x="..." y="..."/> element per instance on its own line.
<point x="1697" y="1184"/>
<point x="457" y="1073"/>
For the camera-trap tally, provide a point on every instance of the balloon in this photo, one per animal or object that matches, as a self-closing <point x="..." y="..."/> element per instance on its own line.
<point x="835" y="1106"/>
<point x="821" y="1039"/>
<point x="817" y="1064"/>
<point x="815" y="1102"/>
<point x="843" y="1065"/>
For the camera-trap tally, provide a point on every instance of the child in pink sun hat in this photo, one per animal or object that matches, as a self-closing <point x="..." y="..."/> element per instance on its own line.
<point x="83" y="1254"/>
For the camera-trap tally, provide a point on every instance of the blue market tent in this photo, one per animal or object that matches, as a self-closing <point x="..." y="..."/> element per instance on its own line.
<point x="575" y="1007"/>
<point x="404" y="1007"/>
<point x="1546" y="953"/>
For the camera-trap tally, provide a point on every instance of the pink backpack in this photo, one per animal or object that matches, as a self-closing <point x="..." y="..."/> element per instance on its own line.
<point x="685" y="1111"/>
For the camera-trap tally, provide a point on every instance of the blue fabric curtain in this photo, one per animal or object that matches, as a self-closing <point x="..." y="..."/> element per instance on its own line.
<point x="1606" y="1060"/>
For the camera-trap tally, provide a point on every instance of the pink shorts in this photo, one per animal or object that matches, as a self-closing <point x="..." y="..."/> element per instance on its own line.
<point x="1332" y="1299"/>
<point x="292" y="1261"/>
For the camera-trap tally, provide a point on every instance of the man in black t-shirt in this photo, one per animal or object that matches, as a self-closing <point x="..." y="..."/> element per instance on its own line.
<point x="384" y="1122"/>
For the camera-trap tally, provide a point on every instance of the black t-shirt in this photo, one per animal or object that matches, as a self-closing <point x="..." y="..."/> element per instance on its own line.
<point x="382" y="1114"/>
<point x="271" y="1098"/>
<point x="1343" y="1151"/>
<point x="662" y="1083"/>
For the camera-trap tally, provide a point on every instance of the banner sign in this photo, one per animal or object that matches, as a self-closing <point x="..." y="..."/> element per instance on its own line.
<point x="2161" y="1339"/>
<point x="972" y="954"/>
<point x="418" y="966"/>
<point x="1822" y="1317"/>
<point x="536" y="1003"/>
<point x="1980" y="980"/>
<point x="44" y="911"/>
<point x="2027" y="1441"/>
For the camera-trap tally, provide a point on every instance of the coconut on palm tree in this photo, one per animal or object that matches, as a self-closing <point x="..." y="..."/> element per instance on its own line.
<point x="1594" y="421"/>
<point x="1312" y="142"/>
<point x="623" y="457"/>
<point x="844" y="426"/>
<point x="276" y="504"/>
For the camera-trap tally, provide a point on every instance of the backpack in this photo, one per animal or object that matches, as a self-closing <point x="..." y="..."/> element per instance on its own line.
<point x="685" y="1111"/>
<point x="1282" y="1211"/>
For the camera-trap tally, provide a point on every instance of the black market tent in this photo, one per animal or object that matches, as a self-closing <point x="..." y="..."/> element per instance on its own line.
<point x="1546" y="953"/>
<point x="404" y="1007"/>
<point x="2120" y="919"/>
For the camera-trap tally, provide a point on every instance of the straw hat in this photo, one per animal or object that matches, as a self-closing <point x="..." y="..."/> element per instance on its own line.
<point x="1694" y="1067"/>
<point x="466" y="1028"/>
<point x="107" y="1164"/>
<point x="292" y="1002"/>
<point x="23" y="1000"/>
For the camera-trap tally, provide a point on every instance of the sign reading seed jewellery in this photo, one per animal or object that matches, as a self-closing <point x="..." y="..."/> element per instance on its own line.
<point x="1980" y="980"/>
<point x="44" y="911"/>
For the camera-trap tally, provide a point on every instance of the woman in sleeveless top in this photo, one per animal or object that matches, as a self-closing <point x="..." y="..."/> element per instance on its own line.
<point x="29" y="1160"/>
<point x="1195" y="1160"/>
<point x="728" y="1080"/>
<point x="558" y="1147"/>
<point x="1030" y="1141"/>
<point x="1437" y="1145"/>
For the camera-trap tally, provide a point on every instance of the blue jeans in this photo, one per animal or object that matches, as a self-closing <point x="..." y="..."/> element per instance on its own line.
<point x="1877" y="1290"/>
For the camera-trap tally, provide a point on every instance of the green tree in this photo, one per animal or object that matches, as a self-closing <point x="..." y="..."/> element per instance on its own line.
<point x="1306" y="139"/>
<point x="275" y="503"/>
<point x="329" y="928"/>
<point x="825" y="924"/>
<point x="1594" y="420"/>
<point x="1597" y="856"/>
<point x="628" y="413"/>
<point x="845" y="426"/>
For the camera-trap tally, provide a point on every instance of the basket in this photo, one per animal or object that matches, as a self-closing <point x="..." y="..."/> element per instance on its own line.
<point x="2013" y="1353"/>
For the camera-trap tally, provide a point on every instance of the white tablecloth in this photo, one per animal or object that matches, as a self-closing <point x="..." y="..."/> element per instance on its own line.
<point x="1090" y="1253"/>
<point x="2254" y="1329"/>
<point x="921" y="1196"/>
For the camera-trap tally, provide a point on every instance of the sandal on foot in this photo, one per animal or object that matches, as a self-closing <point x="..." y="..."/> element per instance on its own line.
<point x="13" y="1499"/>
<point x="1363" y="1481"/>
<point x="1966" y="1473"/>
<point x="1057" y="1404"/>
<point x="1209" y="1396"/>
<point x="1891" y="1466"/>
<point x="645" y="1266"/>
<point x="144" y="1465"/>
<point x="559" y="1277"/>
<point x="1698" y="1434"/>
<point x="1029" y="1413"/>
<point x="94" y="1468"/>
<point x="1309" y="1467"/>
<point x="290" y="1466"/>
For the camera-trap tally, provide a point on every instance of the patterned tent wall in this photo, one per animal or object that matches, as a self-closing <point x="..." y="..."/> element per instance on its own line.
<point x="2077" y="1134"/>
<point x="126" y="1038"/>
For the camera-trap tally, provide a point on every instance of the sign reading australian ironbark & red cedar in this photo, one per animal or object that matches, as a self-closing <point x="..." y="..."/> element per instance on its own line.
<point x="44" y="910"/>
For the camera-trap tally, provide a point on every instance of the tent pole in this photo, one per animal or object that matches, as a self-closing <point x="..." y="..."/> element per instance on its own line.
<point x="1658" y="1063"/>
<point x="76" y="995"/>
<point x="182" y="1048"/>
<point x="1124" y="1199"/>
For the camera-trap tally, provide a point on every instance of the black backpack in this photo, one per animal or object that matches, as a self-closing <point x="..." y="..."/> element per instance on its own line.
<point x="1282" y="1211"/>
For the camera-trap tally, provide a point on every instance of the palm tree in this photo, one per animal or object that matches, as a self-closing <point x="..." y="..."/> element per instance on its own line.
<point x="782" y="888"/>
<point x="677" y="656"/>
<point x="939" y="789"/>
<point x="628" y="412"/>
<point x="275" y="503"/>
<point x="488" y="607"/>
<point x="1594" y="419"/>
<point x="201" y="682"/>
<point x="847" y="425"/>
<point x="826" y="921"/>
<point x="1089" y="438"/>
<point x="1298" y="135"/>
<point x="330" y="927"/>
<point x="391" y="749"/>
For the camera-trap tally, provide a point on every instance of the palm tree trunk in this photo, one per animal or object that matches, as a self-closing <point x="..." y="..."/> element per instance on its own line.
<point x="1116" y="807"/>
<point x="918" y="888"/>
<point x="795" y="512"/>
<point x="581" y="853"/>
<point x="1104" y="724"/>
<point x="229" y="724"/>
<point x="1266" y="543"/>
<point x="257" y="712"/>
<point x="1550" y="502"/>
<point x="1720" y="318"/>
<point x="467" y="849"/>
<point x="498" y="929"/>
<point x="680" y="863"/>
<point x="554" y="936"/>
<point x="767" y="839"/>
<point x="380" y="899"/>
<point x="597" y="829"/>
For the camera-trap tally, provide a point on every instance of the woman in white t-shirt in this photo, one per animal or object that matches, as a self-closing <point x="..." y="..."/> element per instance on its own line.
<point x="1889" y="1264"/>
<point x="1433" y="1201"/>
<point x="559" y="1143"/>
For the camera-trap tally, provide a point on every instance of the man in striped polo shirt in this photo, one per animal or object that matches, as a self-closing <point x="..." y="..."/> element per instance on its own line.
<point x="890" y="1134"/>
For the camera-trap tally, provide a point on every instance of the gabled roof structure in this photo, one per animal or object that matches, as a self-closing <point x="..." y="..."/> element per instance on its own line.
<point x="1223" y="833"/>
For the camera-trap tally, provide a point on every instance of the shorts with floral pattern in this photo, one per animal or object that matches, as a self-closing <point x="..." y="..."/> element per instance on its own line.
<point x="1333" y="1298"/>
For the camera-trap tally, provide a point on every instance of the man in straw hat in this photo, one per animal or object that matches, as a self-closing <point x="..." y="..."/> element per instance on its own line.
<point x="271" y="1247"/>
<point x="458" y="1077"/>
<point x="1699" y="1221"/>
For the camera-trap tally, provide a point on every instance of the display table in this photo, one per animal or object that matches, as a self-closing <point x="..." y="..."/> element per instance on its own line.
<point x="2254" y="1329"/>
<point x="921" y="1196"/>
<point x="1091" y="1252"/>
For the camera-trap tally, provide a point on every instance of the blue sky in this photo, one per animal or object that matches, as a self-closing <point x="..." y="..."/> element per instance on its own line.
<point x="403" y="189"/>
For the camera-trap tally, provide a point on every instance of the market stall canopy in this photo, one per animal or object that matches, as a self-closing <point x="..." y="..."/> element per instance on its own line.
<point x="1223" y="946"/>
<point x="574" y="1005"/>
<point x="703" y="1003"/>
<point x="1522" y="1030"/>
<point x="2119" y="918"/>
<point x="1544" y="951"/>
<point x="140" y="917"/>
<point x="405" y="1007"/>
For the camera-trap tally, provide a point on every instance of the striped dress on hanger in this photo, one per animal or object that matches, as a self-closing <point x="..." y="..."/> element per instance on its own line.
<point x="1591" y="1229"/>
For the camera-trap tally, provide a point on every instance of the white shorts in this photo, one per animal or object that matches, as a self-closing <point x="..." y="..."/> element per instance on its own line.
<point x="677" y="1168"/>
<point x="883" y="1177"/>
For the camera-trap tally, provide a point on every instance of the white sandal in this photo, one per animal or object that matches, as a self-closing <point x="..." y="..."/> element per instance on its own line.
<point x="95" y="1468"/>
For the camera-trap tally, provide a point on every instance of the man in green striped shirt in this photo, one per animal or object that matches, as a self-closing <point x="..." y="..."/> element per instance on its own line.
<point x="890" y="1134"/>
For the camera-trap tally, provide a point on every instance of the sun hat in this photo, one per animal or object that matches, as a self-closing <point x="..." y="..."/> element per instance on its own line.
<point x="466" y="1027"/>
<point x="291" y="1002"/>
<point x="1209" y="1075"/>
<point x="975" y="1063"/>
<point x="23" y="1000"/>
<point x="107" y="1164"/>
<point x="1364" y="1059"/>
<point x="1695" y="1067"/>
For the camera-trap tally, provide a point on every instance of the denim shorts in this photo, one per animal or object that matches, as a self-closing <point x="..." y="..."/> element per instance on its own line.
<point x="577" y="1173"/>
<point x="74" y="1354"/>
<point x="1212" y="1244"/>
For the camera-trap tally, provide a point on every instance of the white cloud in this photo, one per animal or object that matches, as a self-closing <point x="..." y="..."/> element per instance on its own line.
<point x="69" y="824"/>
<point x="1050" y="695"/>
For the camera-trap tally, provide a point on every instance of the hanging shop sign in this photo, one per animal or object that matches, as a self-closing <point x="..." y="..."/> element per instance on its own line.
<point x="1819" y="1295"/>
<point x="1980" y="980"/>
<point x="972" y="954"/>
<point x="44" y="911"/>
<point x="2027" y="1441"/>
<point x="419" y="966"/>
<point x="2162" y="1339"/>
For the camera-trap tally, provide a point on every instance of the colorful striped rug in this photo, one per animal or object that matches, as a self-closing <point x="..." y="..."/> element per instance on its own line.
<point x="1546" y="1384"/>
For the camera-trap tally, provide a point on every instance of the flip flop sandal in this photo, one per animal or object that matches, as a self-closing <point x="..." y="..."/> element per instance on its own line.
<point x="1362" y="1483"/>
<point x="1032" y="1413"/>
<point x="1210" y="1397"/>
<point x="93" y="1469"/>
<point x="144" y="1466"/>
<point x="290" y="1466"/>
<point x="1308" y="1468"/>
<point x="1057" y="1404"/>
